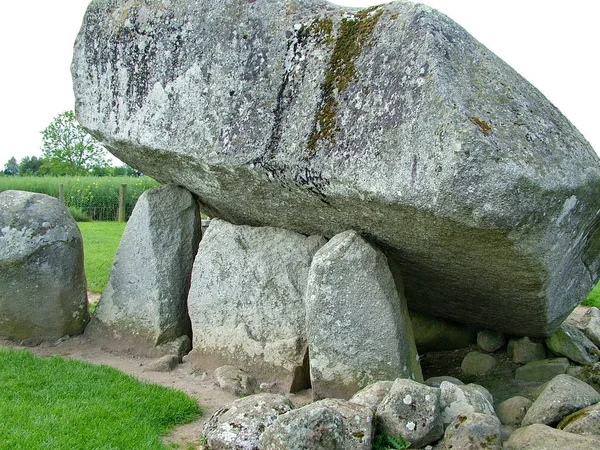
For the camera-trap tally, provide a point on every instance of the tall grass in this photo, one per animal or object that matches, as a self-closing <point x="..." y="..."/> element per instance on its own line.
<point x="98" y="197"/>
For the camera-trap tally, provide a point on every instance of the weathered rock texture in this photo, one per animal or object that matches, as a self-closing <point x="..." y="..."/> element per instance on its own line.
<point x="146" y="295"/>
<point x="357" y="325"/>
<point x="392" y="120"/>
<point x="246" y="301"/>
<point x="42" y="280"/>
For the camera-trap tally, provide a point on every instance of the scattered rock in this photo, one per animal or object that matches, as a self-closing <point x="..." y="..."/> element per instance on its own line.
<point x="234" y="380"/>
<point x="542" y="370"/>
<point x="412" y="410"/>
<point x="563" y="395"/>
<point x="512" y="411"/>
<point x="164" y="364"/>
<point x="354" y="342"/>
<point x="437" y="381"/>
<point x="587" y="319"/>
<point x="463" y="400"/>
<point x="570" y="342"/>
<point x="43" y="286"/>
<point x="436" y="334"/>
<point x="358" y="423"/>
<point x="477" y="363"/>
<point x="584" y="421"/>
<point x="543" y="437"/>
<point x="372" y="395"/>
<point x="589" y="374"/>
<point x="524" y="350"/>
<point x="490" y="341"/>
<point x="473" y="432"/>
<point x="239" y="424"/>
<point x="246" y="302"/>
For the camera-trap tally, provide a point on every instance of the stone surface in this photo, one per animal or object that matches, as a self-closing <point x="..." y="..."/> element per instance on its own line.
<point x="145" y="299"/>
<point x="436" y="334"/>
<point x="584" y="421"/>
<point x="463" y="400"/>
<point x="437" y="381"/>
<point x="246" y="302"/>
<point x="490" y="341"/>
<point x="239" y="424"/>
<point x="391" y="120"/>
<point x="542" y="370"/>
<point x="477" y="363"/>
<point x="412" y="410"/>
<point x="524" y="350"/>
<point x="570" y="342"/>
<point x="42" y="280"/>
<point x="164" y="364"/>
<point x="543" y="437"/>
<point x="563" y="395"/>
<point x="587" y="319"/>
<point x="512" y="411"/>
<point x="314" y="426"/>
<point x="234" y="380"/>
<point x="357" y="323"/>
<point x="473" y="432"/>
<point x="372" y="395"/>
<point x="358" y="423"/>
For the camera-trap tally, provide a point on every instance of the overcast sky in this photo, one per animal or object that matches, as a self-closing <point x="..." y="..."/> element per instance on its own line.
<point x="554" y="44"/>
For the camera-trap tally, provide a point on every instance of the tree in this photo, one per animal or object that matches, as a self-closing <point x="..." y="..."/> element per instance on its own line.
<point x="30" y="166"/>
<point x="69" y="149"/>
<point x="11" y="167"/>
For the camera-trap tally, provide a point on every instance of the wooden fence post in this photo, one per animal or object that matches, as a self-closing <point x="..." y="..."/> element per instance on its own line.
<point x="122" y="199"/>
<point x="61" y="193"/>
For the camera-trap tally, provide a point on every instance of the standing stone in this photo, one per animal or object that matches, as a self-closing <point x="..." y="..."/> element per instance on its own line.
<point x="42" y="280"/>
<point x="246" y="302"/>
<point x="358" y="326"/>
<point x="145" y="299"/>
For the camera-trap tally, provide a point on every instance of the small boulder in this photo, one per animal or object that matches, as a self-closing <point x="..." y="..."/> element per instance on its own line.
<point x="372" y="395"/>
<point x="239" y="424"/>
<point x="234" y="380"/>
<point x="490" y="341"/>
<point x="437" y="381"/>
<point x="358" y="423"/>
<point x="543" y="437"/>
<point x="473" y="432"/>
<point x="43" y="287"/>
<point x="542" y="370"/>
<point x="524" y="350"/>
<point x="412" y="410"/>
<point x="584" y="421"/>
<point x="512" y="411"/>
<point x="477" y="363"/>
<point x="587" y="319"/>
<point x="568" y="341"/>
<point x="164" y="364"/>
<point x="563" y="395"/>
<point x="458" y="400"/>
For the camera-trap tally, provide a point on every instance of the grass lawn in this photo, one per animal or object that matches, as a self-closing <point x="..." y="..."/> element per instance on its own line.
<point x="56" y="404"/>
<point x="100" y="243"/>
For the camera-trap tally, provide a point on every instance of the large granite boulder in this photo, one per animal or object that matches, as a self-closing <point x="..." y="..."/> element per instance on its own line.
<point x="42" y="280"/>
<point x="246" y="302"/>
<point x="145" y="299"/>
<point x="357" y="322"/>
<point x="391" y="120"/>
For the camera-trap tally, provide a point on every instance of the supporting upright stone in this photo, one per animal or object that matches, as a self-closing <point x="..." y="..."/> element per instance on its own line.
<point x="357" y="324"/>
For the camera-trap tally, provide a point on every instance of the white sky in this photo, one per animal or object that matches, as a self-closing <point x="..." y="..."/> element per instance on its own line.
<point x="554" y="44"/>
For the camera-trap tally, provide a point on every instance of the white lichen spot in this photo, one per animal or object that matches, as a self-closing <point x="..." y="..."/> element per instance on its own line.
<point x="410" y="426"/>
<point x="427" y="397"/>
<point x="408" y="399"/>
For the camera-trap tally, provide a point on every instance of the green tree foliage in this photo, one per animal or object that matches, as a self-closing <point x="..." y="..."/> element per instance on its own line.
<point x="30" y="166"/>
<point x="69" y="149"/>
<point x="11" y="167"/>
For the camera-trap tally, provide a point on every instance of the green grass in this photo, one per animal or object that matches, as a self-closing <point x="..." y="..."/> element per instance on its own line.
<point x="593" y="299"/>
<point x="100" y="243"/>
<point x="57" y="404"/>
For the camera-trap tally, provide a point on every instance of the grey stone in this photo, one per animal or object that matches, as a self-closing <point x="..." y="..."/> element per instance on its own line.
<point x="246" y="302"/>
<point x="587" y="319"/>
<point x="412" y="410"/>
<point x="589" y="374"/>
<point x="568" y="341"/>
<point x="234" y="380"/>
<point x="358" y="423"/>
<point x="584" y="421"/>
<point x="436" y="334"/>
<point x="490" y="341"/>
<point x="145" y="299"/>
<point x="512" y="411"/>
<point x="357" y="324"/>
<point x="458" y="400"/>
<point x="437" y="381"/>
<point x="314" y="426"/>
<point x="239" y="424"/>
<point x="164" y="364"/>
<point x="42" y="280"/>
<point x="477" y="363"/>
<point x="524" y="350"/>
<point x="563" y="395"/>
<point x="543" y="437"/>
<point x="372" y="395"/>
<point x="542" y="370"/>
<point x="473" y="431"/>
<point x="418" y="141"/>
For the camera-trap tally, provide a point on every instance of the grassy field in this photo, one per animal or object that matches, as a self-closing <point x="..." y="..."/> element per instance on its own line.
<point x="57" y="404"/>
<point x="100" y="243"/>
